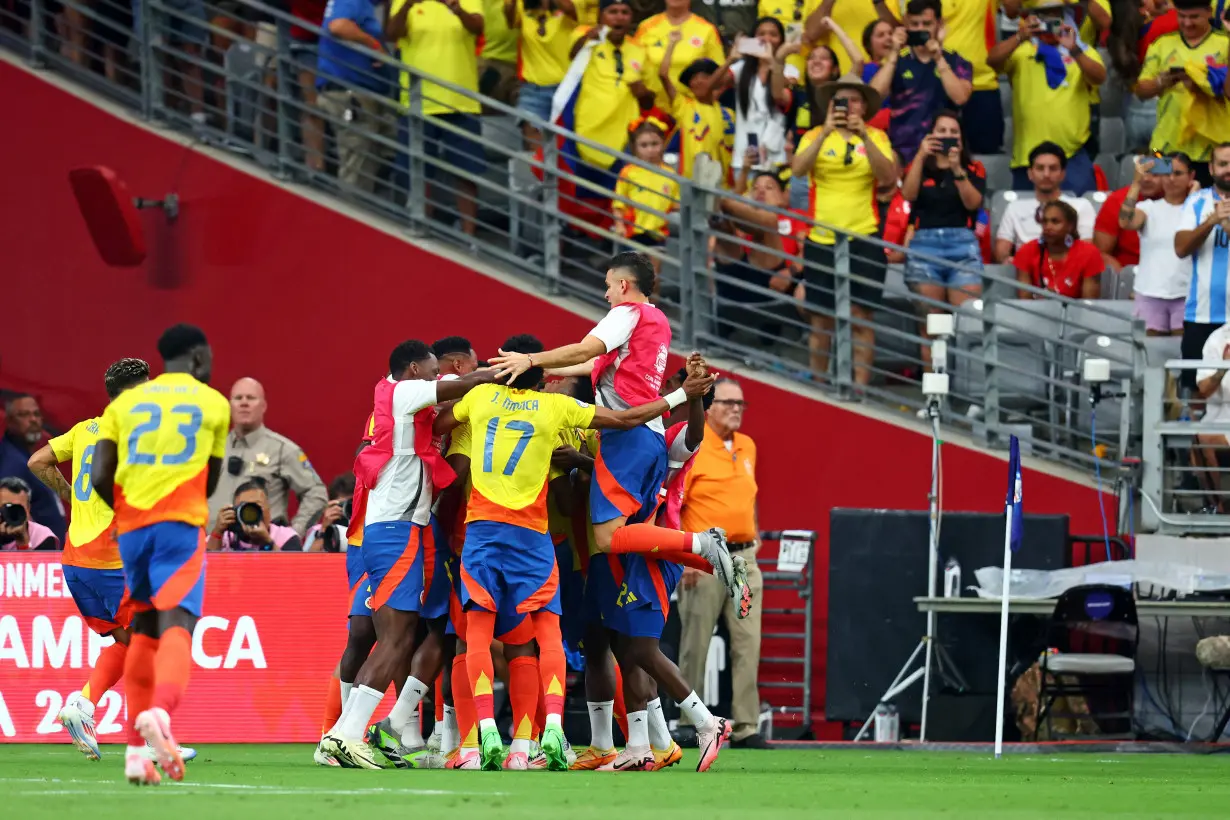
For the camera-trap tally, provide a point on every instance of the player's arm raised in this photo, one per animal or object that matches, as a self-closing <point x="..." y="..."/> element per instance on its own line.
<point x="43" y="465"/>
<point x="693" y="386"/>
<point x="456" y="388"/>
<point x="508" y="366"/>
<point x="582" y="369"/>
<point x="696" y="405"/>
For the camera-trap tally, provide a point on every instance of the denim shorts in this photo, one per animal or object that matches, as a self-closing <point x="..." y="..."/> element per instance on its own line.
<point x="536" y="99"/>
<point x="957" y="246"/>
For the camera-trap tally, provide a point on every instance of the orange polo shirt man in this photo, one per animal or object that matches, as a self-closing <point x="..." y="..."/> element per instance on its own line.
<point x="720" y="491"/>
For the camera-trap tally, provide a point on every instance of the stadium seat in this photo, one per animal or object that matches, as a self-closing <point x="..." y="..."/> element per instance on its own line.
<point x="1096" y="198"/>
<point x="1005" y="98"/>
<point x="1008" y="143"/>
<point x="501" y="137"/>
<point x="1109" y="163"/>
<point x="1113" y="136"/>
<point x="244" y="84"/>
<point x="997" y="281"/>
<point x="1021" y="351"/>
<point x="999" y="171"/>
<point x="1127" y="283"/>
<point x="895" y="287"/>
<point x="1112" y="95"/>
<point x="1127" y="170"/>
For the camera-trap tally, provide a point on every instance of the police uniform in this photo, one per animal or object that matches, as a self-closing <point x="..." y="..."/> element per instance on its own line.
<point x="282" y="464"/>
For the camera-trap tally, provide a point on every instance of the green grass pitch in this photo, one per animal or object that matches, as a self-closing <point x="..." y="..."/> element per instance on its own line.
<point x="281" y="781"/>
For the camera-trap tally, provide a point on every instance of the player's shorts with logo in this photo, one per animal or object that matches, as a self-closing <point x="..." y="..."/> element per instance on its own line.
<point x="395" y="555"/>
<point x="356" y="582"/>
<point x="101" y="597"/>
<point x="628" y="475"/>
<point x="508" y="570"/>
<point x="436" y="601"/>
<point x="643" y="600"/>
<point x="164" y="565"/>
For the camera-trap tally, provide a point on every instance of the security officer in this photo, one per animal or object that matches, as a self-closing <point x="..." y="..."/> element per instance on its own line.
<point x="254" y="450"/>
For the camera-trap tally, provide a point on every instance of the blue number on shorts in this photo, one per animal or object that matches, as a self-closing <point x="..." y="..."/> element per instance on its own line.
<point x="135" y="456"/>
<point x="524" y="427"/>
<point x="188" y="430"/>
<point x="82" y="490"/>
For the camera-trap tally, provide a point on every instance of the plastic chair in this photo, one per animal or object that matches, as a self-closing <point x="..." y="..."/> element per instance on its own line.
<point x="999" y="171"/>
<point x="1113" y="136"/>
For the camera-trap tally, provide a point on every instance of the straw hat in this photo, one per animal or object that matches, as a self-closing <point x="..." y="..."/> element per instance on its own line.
<point x="871" y="97"/>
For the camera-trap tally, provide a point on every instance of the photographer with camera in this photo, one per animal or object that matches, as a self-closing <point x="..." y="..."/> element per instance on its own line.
<point x="18" y="531"/>
<point x="330" y="534"/>
<point x="245" y="526"/>
<point x="918" y="79"/>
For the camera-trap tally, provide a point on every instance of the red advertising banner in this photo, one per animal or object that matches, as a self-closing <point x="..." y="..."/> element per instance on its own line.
<point x="273" y="629"/>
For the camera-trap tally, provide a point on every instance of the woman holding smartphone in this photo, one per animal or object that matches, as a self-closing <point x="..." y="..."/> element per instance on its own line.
<point x="945" y="189"/>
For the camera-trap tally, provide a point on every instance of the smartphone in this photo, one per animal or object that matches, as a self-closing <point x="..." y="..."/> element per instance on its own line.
<point x="947" y="144"/>
<point x="841" y="104"/>
<point x="752" y="47"/>
<point x="917" y="38"/>
<point x="753" y="141"/>
<point x="1054" y="27"/>
<point x="1161" y="167"/>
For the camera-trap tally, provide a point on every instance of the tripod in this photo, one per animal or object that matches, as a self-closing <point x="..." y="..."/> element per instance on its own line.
<point x="927" y="645"/>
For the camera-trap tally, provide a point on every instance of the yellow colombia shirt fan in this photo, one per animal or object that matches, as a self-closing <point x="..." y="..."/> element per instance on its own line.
<point x="437" y="42"/>
<point x="843" y="172"/>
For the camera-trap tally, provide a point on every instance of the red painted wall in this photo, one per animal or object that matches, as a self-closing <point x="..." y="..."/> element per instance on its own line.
<point x="310" y="303"/>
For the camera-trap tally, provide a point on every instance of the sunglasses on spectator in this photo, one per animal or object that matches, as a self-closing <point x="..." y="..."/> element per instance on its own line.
<point x="849" y="160"/>
<point x="619" y="64"/>
<point x="542" y="25"/>
<point x="734" y="404"/>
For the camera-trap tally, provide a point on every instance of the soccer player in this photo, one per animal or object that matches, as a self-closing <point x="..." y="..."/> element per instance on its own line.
<point x="156" y="462"/>
<point x="508" y="562"/>
<point x="628" y="350"/>
<point x="401" y="471"/>
<point x="92" y="568"/>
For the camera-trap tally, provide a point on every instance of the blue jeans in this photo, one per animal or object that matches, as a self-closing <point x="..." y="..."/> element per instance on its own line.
<point x="1078" y="178"/>
<point x="957" y="246"/>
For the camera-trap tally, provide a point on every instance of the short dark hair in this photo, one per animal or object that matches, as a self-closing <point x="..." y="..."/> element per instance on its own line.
<point x="639" y="265"/>
<point x="868" y="30"/>
<point x="180" y="340"/>
<point x="124" y="374"/>
<point x="1220" y="147"/>
<point x="342" y="485"/>
<point x="583" y="389"/>
<point x="1048" y="148"/>
<point x="771" y="175"/>
<point x="14" y="485"/>
<point x="14" y="398"/>
<point x="919" y="6"/>
<point x="406" y="354"/>
<point x="450" y="346"/>
<point x="525" y="343"/>
<point x="1190" y="5"/>
<point x="1183" y="158"/>
<point x="253" y="483"/>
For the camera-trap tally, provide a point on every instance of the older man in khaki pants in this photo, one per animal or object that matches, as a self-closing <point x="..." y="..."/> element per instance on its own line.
<point x="720" y="491"/>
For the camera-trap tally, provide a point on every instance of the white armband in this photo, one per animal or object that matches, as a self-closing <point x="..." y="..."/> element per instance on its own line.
<point x="676" y="398"/>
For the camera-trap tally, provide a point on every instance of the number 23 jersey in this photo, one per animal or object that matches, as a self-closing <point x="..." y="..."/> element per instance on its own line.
<point x="165" y="432"/>
<point x="513" y="433"/>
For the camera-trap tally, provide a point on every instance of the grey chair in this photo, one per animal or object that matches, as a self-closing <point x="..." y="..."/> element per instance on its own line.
<point x="1113" y="136"/>
<point x="999" y="171"/>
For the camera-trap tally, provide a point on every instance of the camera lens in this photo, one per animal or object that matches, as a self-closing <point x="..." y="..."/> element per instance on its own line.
<point x="249" y="514"/>
<point x="13" y="515"/>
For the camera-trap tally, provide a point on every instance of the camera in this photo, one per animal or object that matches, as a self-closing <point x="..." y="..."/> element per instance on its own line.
<point x="249" y="514"/>
<point x="12" y="515"/>
<point x="332" y="535"/>
<point x="917" y="38"/>
<point x="1053" y="26"/>
<point x="947" y="144"/>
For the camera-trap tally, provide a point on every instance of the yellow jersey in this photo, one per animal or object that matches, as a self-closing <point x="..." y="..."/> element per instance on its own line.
<point x="702" y="130"/>
<point x="546" y="39"/>
<point x="604" y="105"/>
<point x="165" y="431"/>
<point x="1042" y="113"/>
<point x="499" y="41"/>
<point x="587" y="12"/>
<point x="787" y="12"/>
<point x="459" y="444"/>
<point x="437" y="43"/>
<point x="700" y="39"/>
<point x="971" y="30"/>
<point x="91" y="543"/>
<point x="510" y="458"/>
<point x="648" y="191"/>
<point x="853" y="16"/>
<point x="843" y="184"/>
<point x="1171" y="51"/>
<point x="560" y="524"/>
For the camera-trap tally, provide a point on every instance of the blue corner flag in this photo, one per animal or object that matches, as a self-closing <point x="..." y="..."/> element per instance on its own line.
<point x="1013" y="501"/>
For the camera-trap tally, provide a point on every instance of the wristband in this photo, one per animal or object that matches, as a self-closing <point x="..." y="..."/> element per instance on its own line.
<point x="676" y="398"/>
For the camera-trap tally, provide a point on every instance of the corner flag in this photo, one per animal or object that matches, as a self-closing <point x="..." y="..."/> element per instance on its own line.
<point x="1013" y="502"/>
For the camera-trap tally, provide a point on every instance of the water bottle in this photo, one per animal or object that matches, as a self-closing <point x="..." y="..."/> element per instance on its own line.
<point x="887" y="724"/>
<point x="952" y="579"/>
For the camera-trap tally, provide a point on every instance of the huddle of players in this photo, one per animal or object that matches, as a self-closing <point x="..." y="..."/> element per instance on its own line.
<point x="521" y="519"/>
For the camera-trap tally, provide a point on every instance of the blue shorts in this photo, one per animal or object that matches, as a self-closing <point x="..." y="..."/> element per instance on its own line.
<point x="100" y="596"/>
<point x="393" y="555"/>
<point x="598" y="605"/>
<point x="356" y="582"/>
<point x="453" y="149"/>
<point x="435" y="602"/>
<point x="506" y="624"/>
<point x="571" y="594"/>
<point x="955" y="246"/>
<point x="508" y="570"/>
<point x="628" y="475"/>
<point x="164" y="565"/>
<point x="644" y="597"/>
<point x="536" y="99"/>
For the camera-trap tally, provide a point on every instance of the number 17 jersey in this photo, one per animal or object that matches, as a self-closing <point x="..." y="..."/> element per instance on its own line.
<point x="165" y="432"/>
<point x="513" y="433"/>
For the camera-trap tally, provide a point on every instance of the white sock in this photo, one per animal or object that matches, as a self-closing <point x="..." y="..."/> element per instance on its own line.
<point x="659" y="733"/>
<point x="521" y="745"/>
<point x="696" y="711"/>
<point x="638" y="729"/>
<point x="363" y="704"/>
<point x="405" y="711"/>
<point x="485" y="724"/>
<point x="134" y="750"/>
<point x="601" y="735"/>
<point x="449" y="732"/>
<point x="347" y="688"/>
<point x="336" y="728"/>
<point x="555" y="720"/>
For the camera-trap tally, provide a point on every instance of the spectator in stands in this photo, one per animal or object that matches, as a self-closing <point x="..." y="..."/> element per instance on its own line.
<point x="18" y="529"/>
<point x="23" y="435"/>
<point x="440" y="39"/>
<point x="253" y="450"/>
<point x="1182" y="99"/>
<point x="965" y="32"/>
<point x="1162" y="279"/>
<point x="1060" y="261"/>
<point x="844" y="160"/>
<point x="351" y="88"/>
<point x="246" y="526"/>
<point x="1054" y="78"/>
<point x="849" y="15"/>
<point x="945" y="188"/>
<point x="702" y="125"/>
<point x="735" y="18"/>
<point x="185" y="22"/>
<point x="762" y="97"/>
<point x="695" y="39"/>
<point x="546" y="28"/>
<point x="1203" y="237"/>
<point x="720" y="491"/>
<point x="1133" y="29"/>
<point x="879" y="44"/>
<point x="334" y="518"/>
<point x="644" y="197"/>
<point x="1211" y="385"/>
<point x="1020" y="223"/>
<point x="921" y="80"/>
<point x="1121" y="247"/>
<point x="303" y="54"/>
<point x="497" y="60"/>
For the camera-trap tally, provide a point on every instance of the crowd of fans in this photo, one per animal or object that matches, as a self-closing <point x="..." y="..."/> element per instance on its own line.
<point x="875" y="120"/>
